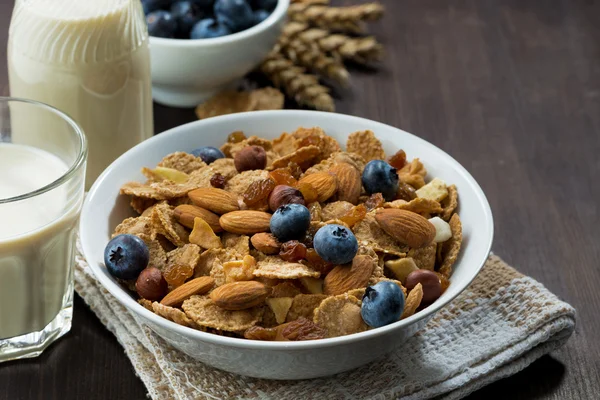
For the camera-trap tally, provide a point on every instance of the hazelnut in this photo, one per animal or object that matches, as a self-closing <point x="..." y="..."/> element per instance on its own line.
<point x="151" y="285"/>
<point x="432" y="287"/>
<point x="283" y="195"/>
<point x="249" y="158"/>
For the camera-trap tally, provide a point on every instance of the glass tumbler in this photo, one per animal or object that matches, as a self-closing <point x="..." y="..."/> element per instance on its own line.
<point x="43" y="156"/>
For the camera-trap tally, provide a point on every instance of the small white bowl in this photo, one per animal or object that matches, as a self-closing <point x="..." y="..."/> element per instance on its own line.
<point x="104" y="209"/>
<point x="186" y="72"/>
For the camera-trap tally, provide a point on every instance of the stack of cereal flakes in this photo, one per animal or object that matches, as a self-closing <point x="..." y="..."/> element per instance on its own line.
<point x="207" y="229"/>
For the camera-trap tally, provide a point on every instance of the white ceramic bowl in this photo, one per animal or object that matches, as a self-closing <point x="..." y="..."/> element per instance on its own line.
<point x="186" y="72"/>
<point x="104" y="209"/>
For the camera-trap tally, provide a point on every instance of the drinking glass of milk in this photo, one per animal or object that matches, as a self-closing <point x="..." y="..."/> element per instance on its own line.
<point x="91" y="60"/>
<point x="41" y="193"/>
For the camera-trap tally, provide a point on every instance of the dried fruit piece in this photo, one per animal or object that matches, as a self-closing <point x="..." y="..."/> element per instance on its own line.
<point x="355" y="215"/>
<point x="283" y="176"/>
<point x="240" y="295"/>
<point x="343" y="277"/>
<point x="398" y="160"/>
<point x="436" y="190"/>
<point x="406" y="227"/>
<point x="340" y="315"/>
<point x="292" y="251"/>
<point x="204" y="236"/>
<point x="317" y="263"/>
<point x="303" y="329"/>
<point x="401" y="267"/>
<point x="171" y="174"/>
<point x="258" y="191"/>
<point x="266" y="242"/>
<point x="217" y="181"/>
<point x="236" y="137"/>
<point x="406" y="192"/>
<point x="324" y="183"/>
<point x="177" y="274"/>
<point x="181" y="263"/>
<point x="375" y="201"/>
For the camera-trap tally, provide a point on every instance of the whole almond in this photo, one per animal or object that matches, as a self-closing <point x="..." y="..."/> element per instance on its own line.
<point x="216" y="200"/>
<point x="343" y="277"/>
<point x="265" y="242"/>
<point x="406" y="227"/>
<point x="199" y="285"/>
<point x="324" y="183"/>
<point x="245" y="222"/>
<point x="240" y="295"/>
<point x="349" y="182"/>
<point x="186" y="213"/>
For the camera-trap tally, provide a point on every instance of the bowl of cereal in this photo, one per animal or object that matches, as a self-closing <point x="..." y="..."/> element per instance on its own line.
<point x="201" y="47"/>
<point x="285" y="255"/>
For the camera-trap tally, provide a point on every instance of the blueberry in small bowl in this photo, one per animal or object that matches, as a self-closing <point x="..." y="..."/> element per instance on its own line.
<point x="186" y="14"/>
<point x="161" y="24"/>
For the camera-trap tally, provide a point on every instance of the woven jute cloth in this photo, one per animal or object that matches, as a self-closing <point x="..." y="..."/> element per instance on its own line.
<point x="500" y="324"/>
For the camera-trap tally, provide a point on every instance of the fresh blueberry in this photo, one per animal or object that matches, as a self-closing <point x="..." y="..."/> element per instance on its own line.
<point x="382" y="304"/>
<point x="204" y="4"/>
<point x="125" y="256"/>
<point x="268" y="5"/>
<point x="260" y="16"/>
<point x="208" y="154"/>
<point x="153" y="5"/>
<point x="209" y="28"/>
<point x="186" y="14"/>
<point x="380" y="177"/>
<point x="290" y="222"/>
<point x="161" y="24"/>
<point x="335" y="244"/>
<point x="235" y="14"/>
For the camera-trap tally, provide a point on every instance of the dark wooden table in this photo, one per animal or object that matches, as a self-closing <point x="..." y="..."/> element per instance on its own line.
<point x="511" y="89"/>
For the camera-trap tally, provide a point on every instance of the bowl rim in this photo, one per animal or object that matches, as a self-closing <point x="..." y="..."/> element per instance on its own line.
<point x="130" y="303"/>
<point x="276" y="15"/>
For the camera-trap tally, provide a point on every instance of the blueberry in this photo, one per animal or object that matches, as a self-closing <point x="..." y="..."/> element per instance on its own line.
<point x="161" y="24"/>
<point x="268" y="5"/>
<point x="290" y="222"/>
<point x="204" y="4"/>
<point x="382" y="304"/>
<point x="380" y="177"/>
<point x="235" y="14"/>
<point x="153" y="5"/>
<point x="186" y="14"/>
<point x="125" y="256"/>
<point x="208" y="154"/>
<point x="260" y="16"/>
<point x="209" y="28"/>
<point x="335" y="244"/>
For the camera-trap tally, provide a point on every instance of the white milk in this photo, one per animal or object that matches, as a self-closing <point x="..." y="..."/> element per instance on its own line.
<point x="37" y="240"/>
<point x="89" y="59"/>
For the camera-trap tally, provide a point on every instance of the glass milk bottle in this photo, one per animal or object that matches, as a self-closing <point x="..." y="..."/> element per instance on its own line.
<point x="89" y="59"/>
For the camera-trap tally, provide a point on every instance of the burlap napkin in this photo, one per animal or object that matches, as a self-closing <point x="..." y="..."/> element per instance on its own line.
<point x="499" y="325"/>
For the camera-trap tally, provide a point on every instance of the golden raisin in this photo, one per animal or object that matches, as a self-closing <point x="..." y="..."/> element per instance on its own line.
<point x="375" y="201"/>
<point x="398" y="160"/>
<point x="356" y="214"/>
<point x="283" y="176"/>
<point x="292" y="251"/>
<point x="236" y="137"/>
<point x="217" y="181"/>
<point x="259" y="191"/>
<point x="260" y="333"/>
<point x="295" y="170"/>
<point x="177" y="274"/>
<point x="302" y="329"/>
<point x="308" y="192"/>
<point x="444" y="281"/>
<point x="317" y="263"/>
<point x="406" y="192"/>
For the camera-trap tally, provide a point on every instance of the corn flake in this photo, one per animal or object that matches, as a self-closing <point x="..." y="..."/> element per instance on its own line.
<point x="366" y="145"/>
<point x="336" y="210"/>
<point x="275" y="267"/>
<point x="424" y="257"/>
<point x="188" y="255"/>
<point x="450" y="203"/>
<point x="207" y="259"/>
<point x="368" y="233"/>
<point x="173" y="314"/>
<point x="238" y="243"/>
<point x="140" y="204"/>
<point x="240" y="183"/>
<point x="304" y="156"/>
<point x="226" y="102"/>
<point x="422" y="206"/>
<point x="135" y="226"/>
<point x="267" y="98"/>
<point x="304" y="305"/>
<point x="340" y="315"/>
<point x="158" y="256"/>
<point x="451" y="247"/>
<point x="204" y="312"/>
<point x="204" y="236"/>
<point x="180" y="161"/>
<point x="285" y="144"/>
<point x="165" y="223"/>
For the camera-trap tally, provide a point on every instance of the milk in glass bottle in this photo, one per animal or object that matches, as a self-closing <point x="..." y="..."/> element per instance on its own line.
<point x="90" y="59"/>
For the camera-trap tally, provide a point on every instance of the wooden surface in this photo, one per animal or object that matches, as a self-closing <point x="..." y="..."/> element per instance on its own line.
<point x="511" y="89"/>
